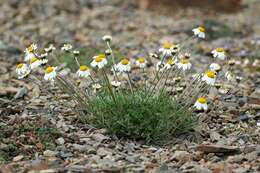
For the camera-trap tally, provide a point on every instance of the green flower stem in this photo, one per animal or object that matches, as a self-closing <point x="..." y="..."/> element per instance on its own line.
<point x="113" y="59"/>
<point x="150" y="93"/>
<point x="166" y="79"/>
<point x="55" y="58"/>
<point x="108" y="85"/>
<point x="77" y="62"/>
<point x="129" y="81"/>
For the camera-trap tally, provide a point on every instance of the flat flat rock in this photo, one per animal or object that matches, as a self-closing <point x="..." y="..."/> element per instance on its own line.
<point x="217" y="149"/>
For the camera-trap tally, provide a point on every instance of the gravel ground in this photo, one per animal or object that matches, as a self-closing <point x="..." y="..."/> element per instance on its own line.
<point x="226" y="140"/>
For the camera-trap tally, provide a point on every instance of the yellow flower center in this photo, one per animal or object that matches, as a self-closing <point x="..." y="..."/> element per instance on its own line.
<point x="219" y="49"/>
<point x="201" y="29"/>
<point x="124" y="61"/>
<point x="210" y="74"/>
<point x="170" y="62"/>
<point x="19" y="66"/>
<point x="141" y="60"/>
<point x="83" y="68"/>
<point x="99" y="58"/>
<point x="201" y="100"/>
<point x="33" y="60"/>
<point x="102" y="55"/>
<point x="184" y="61"/>
<point x="166" y="45"/>
<point x="48" y="70"/>
<point x="30" y="48"/>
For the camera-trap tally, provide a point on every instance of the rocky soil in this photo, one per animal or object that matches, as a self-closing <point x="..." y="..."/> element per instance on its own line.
<point x="38" y="134"/>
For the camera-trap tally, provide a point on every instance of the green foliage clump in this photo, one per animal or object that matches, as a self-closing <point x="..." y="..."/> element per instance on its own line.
<point x="137" y="115"/>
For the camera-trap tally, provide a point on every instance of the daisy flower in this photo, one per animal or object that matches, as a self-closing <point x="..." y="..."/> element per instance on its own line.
<point x="43" y="55"/>
<point x="50" y="48"/>
<point x="28" y="56"/>
<point x="29" y="52"/>
<point x="83" y="71"/>
<point x="215" y="67"/>
<point x="107" y="38"/>
<point x="187" y="55"/>
<point x="99" y="61"/>
<point x="34" y="63"/>
<point x="115" y="83"/>
<point x="108" y="52"/>
<point x="209" y="77"/>
<point x="166" y="49"/>
<point x="22" y="70"/>
<point x="141" y="62"/>
<point x="50" y="73"/>
<point x="124" y="66"/>
<point x="76" y="52"/>
<point x="33" y="47"/>
<point x="66" y="47"/>
<point x="199" y="31"/>
<point x="219" y="53"/>
<point x="201" y="104"/>
<point x="169" y="63"/>
<point x="43" y="61"/>
<point x="184" y="64"/>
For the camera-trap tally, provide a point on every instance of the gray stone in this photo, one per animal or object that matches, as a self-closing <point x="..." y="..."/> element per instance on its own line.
<point x="21" y="92"/>
<point x="84" y="148"/>
<point x="214" y="136"/>
<point x="103" y="152"/>
<point x="99" y="137"/>
<point x="251" y="156"/>
<point x="60" y="141"/>
<point x="18" y="158"/>
<point x="181" y="156"/>
<point x="49" y="153"/>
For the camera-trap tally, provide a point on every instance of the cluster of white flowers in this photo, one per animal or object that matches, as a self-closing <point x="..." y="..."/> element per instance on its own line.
<point x="32" y="61"/>
<point x="171" y="55"/>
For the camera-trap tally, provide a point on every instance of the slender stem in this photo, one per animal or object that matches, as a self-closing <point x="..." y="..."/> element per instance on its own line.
<point x="167" y="77"/>
<point x="113" y="59"/>
<point x="112" y="53"/>
<point x="156" y="75"/>
<point x="186" y="41"/>
<point x="76" y="59"/>
<point x="109" y="85"/>
<point x="55" y="57"/>
<point x="145" y="81"/>
<point x="72" y="89"/>
<point x="151" y="92"/>
<point x="129" y="81"/>
<point x="92" y="79"/>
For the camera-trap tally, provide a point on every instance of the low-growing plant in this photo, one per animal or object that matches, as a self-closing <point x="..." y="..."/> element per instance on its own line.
<point x="133" y="115"/>
<point x="156" y="107"/>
